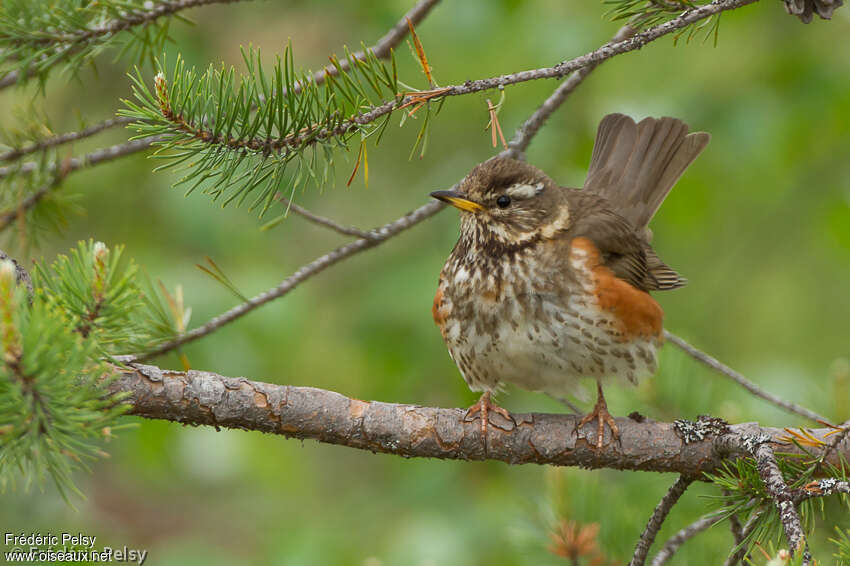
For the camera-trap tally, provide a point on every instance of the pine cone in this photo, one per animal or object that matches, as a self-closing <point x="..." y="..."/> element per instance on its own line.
<point x="804" y="9"/>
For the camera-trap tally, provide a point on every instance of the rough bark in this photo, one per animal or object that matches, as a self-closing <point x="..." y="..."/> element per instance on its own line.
<point x="204" y="398"/>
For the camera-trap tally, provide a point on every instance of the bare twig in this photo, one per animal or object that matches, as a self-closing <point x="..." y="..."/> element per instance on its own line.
<point x="61" y="139"/>
<point x="716" y="365"/>
<point x="740" y="534"/>
<point x="382" y="48"/>
<point x="9" y="79"/>
<point x="205" y="398"/>
<point x="673" y="543"/>
<point x="782" y="497"/>
<point x="94" y="158"/>
<point x="837" y="438"/>
<point x="9" y="216"/>
<point x="737" y="531"/>
<point x="323" y="220"/>
<point x="316" y="266"/>
<point x="522" y="137"/>
<point x="657" y="519"/>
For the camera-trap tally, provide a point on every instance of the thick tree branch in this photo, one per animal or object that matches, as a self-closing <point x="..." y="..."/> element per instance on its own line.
<point x="718" y="366"/>
<point x="647" y="537"/>
<point x="205" y="398"/>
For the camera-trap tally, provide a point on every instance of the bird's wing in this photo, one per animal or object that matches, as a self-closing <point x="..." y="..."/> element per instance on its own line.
<point x="620" y="248"/>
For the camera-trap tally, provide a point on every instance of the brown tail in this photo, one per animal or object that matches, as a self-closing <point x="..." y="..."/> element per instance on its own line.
<point x="634" y="166"/>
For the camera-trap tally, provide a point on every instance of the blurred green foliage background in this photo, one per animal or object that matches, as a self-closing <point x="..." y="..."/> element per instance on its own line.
<point x="760" y="225"/>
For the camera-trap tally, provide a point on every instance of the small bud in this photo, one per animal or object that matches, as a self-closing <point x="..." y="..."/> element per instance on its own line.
<point x="99" y="250"/>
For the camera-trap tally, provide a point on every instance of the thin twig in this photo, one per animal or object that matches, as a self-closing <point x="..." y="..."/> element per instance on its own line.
<point x="9" y="216"/>
<point x="673" y="543"/>
<point x="821" y="488"/>
<point x="316" y="266"/>
<point x="737" y="531"/>
<point x="740" y="534"/>
<point x="9" y="79"/>
<point x="837" y="438"/>
<point x="782" y="497"/>
<point x="60" y="139"/>
<point x="94" y="158"/>
<point x="524" y="134"/>
<point x="322" y="220"/>
<point x="657" y="519"/>
<point x="718" y="366"/>
<point x="382" y="48"/>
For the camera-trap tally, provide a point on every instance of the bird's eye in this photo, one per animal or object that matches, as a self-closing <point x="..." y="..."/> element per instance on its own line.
<point x="503" y="201"/>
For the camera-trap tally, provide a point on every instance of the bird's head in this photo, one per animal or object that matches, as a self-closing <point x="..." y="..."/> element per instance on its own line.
<point x="505" y="202"/>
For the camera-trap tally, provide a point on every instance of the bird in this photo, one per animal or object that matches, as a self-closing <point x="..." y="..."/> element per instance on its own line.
<point x="547" y="287"/>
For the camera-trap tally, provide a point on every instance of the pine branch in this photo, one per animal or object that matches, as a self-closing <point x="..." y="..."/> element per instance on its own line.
<point x="657" y="519"/>
<point x="718" y="366"/>
<point x="206" y="398"/>
<point x="213" y="114"/>
<point x="682" y="536"/>
<point x="35" y="37"/>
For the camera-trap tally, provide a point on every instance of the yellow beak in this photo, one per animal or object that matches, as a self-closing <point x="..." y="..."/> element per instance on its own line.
<point x="457" y="200"/>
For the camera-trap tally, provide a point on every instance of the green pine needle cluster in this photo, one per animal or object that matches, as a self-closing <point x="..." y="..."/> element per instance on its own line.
<point x="37" y="36"/>
<point x="643" y="14"/>
<point x="54" y="407"/>
<point x="744" y="494"/>
<point x="242" y="137"/>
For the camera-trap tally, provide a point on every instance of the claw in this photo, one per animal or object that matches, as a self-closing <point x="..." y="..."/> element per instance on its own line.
<point x="602" y="416"/>
<point x="483" y="408"/>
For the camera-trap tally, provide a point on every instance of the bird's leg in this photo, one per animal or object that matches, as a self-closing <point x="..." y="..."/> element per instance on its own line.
<point x="483" y="408"/>
<point x="602" y="416"/>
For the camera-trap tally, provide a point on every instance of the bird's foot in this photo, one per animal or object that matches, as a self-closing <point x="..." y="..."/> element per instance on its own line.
<point x="482" y="408"/>
<point x="603" y="417"/>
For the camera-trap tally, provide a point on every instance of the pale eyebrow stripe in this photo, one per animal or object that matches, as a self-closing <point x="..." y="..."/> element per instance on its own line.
<point x="524" y="190"/>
